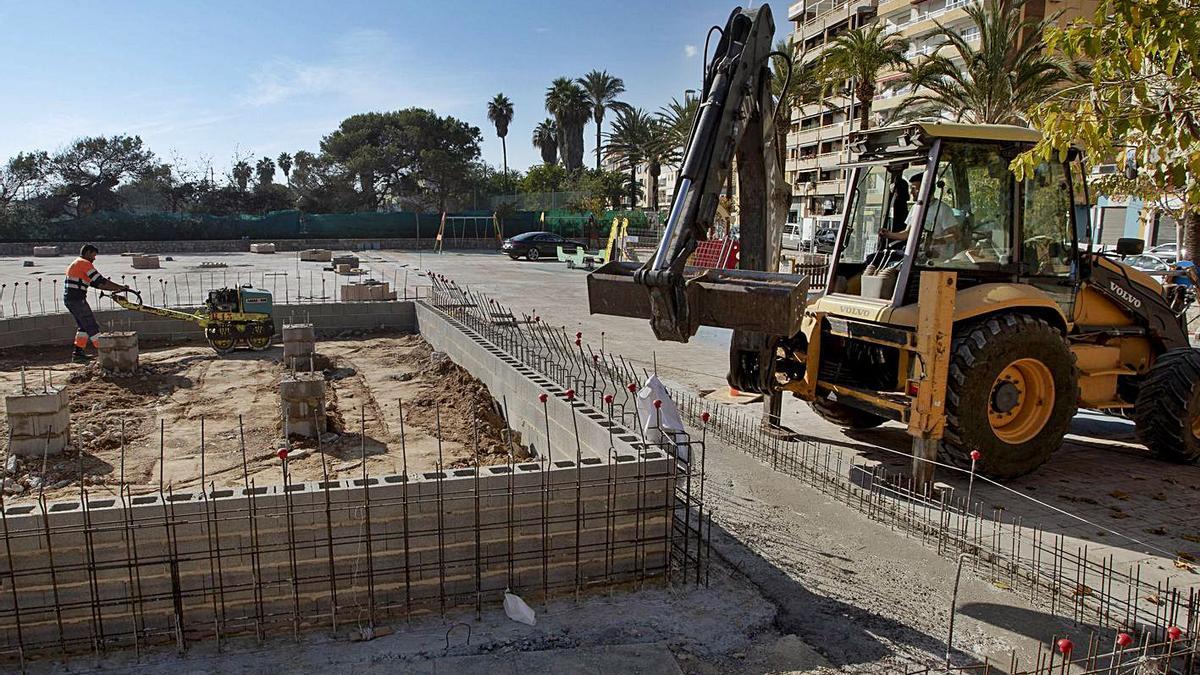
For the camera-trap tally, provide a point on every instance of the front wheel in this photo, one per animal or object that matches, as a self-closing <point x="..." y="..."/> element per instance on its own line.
<point x="532" y="254"/>
<point x="1011" y="393"/>
<point x="1167" y="410"/>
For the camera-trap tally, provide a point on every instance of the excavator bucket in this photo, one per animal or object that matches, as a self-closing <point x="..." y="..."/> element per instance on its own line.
<point x="760" y="302"/>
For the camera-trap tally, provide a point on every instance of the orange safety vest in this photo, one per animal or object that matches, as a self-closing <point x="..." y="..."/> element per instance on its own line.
<point x="80" y="275"/>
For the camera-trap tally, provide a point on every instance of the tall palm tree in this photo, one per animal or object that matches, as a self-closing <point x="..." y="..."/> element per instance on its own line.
<point x="638" y="138"/>
<point x="602" y="90"/>
<point x="545" y="139"/>
<point x="241" y="174"/>
<point x="571" y="107"/>
<point x="678" y="118"/>
<point x="284" y="161"/>
<point x="860" y="56"/>
<point x="500" y="113"/>
<point x="996" y="83"/>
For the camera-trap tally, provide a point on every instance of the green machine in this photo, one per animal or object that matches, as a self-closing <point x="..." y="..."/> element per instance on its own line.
<point x="229" y="316"/>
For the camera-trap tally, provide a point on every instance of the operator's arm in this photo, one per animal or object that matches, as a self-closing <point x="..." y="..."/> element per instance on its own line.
<point x="97" y="280"/>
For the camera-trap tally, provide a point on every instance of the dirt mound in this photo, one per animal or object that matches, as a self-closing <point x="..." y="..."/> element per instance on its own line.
<point x="465" y="407"/>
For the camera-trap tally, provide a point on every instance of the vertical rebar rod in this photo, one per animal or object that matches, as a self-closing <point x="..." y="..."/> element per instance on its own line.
<point x="252" y="522"/>
<point x="441" y="511"/>
<point x="12" y="576"/>
<point x="366" y="484"/>
<point x="404" y="518"/>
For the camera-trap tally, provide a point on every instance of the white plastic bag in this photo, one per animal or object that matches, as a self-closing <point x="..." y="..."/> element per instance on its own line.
<point x="518" y="611"/>
<point x="660" y="425"/>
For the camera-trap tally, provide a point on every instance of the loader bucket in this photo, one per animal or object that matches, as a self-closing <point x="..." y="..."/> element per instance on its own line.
<point x="745" y="300"/>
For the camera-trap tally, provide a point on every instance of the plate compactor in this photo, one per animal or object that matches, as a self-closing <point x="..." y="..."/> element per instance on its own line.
<point x="229" y="316"/>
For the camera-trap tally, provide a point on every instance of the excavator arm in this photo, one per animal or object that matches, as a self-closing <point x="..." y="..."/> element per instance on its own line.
<point x="736" y="119"/>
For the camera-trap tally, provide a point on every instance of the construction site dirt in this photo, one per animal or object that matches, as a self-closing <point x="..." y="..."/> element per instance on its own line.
<point x="189" y="413"/>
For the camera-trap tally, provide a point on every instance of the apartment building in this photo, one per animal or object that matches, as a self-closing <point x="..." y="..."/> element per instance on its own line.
<point x="816" y="142"/>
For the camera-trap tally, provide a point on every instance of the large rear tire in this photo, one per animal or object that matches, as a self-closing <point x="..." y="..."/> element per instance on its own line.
<point x="844" y="416"/>
<point x="1012" y="391"/>
<point x="1167" y="410"/>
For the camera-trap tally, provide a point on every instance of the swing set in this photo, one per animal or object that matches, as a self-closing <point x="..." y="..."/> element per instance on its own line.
<point x="457" y="227"/>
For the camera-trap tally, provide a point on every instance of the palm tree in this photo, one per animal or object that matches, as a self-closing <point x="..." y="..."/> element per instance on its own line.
<point x="241" y="174"/>
<point x="997" y="82"/>
<point x="500" y="113"/>
<point x="602" y="90"/>
<point x="803" y="87"/>
<point x="860" y="56"/>
<point x="571" y="107"/>
<point x="265" y="170"/>
<point x="638" y="137"/>
<point x="545" y="139"/>
<point x="284" y="161"/>
<point x="678" y="118"/>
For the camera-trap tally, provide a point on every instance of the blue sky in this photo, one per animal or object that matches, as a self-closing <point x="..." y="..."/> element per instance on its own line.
<point x="215" y="78"/>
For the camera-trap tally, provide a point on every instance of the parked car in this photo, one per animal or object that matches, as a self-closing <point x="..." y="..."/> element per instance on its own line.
<point x="535" y="245"/>
<point x="1149" y="263"/>
<point x="824" y="240"/>
<point x="792" y="238"/>
<point x="1168" y="252"/>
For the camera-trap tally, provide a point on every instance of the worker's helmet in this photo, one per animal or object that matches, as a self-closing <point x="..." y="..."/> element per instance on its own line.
<point x="88" y="248"/>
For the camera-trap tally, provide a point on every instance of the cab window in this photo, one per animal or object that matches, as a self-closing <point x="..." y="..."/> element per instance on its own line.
<point x="1046" y="235"/>
<point x="968" y="217"/>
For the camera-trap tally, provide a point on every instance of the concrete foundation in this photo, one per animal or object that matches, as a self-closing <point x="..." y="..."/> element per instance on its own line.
<point x="369" y="291"/>
<point x="262" y="248"/>
<point x="302" y="399"/>
<point x="118" y="352"/>
<point x="45" y="251"/>
<point x="38" y="422"/>
<point x="316" y="255"/>
<point x="145" y="262"/>
<point x="299" y="344"/>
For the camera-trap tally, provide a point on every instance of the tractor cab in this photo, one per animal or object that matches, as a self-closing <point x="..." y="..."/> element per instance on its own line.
<point x="940" y="196"/>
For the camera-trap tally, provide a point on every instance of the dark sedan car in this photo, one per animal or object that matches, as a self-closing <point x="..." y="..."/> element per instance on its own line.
<point x="534" y="245"/>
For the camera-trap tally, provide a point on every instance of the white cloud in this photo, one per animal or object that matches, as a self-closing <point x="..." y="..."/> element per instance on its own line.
<point x="689" y="51"/>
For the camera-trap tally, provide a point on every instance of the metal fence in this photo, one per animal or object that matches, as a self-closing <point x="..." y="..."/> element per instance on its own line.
<point x="1066" y="578"/>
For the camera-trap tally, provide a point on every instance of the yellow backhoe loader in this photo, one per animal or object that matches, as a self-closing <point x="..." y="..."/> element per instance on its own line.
<point x="960" y="301"/>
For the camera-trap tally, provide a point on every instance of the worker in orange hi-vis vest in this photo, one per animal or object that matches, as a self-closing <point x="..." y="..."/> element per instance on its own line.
<point x="81" y="274"/>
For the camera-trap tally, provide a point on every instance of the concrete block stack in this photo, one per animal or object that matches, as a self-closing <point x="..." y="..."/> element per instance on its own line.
<point x="45" y="251"/>
<point x="299" y="344"/>
<point x="302" y="398"/>
<point x="350" y="260"/>
<point x="262" y="248"/>
<point x="145" y="262"/>
<point x="316" y="255"/>
<point x="39" y="421"/>
<point x="118" y="352"/>
<point x="373" y="291"/>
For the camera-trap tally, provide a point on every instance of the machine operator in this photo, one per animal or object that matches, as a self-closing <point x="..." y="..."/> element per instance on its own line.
<point x="81" y="274"/>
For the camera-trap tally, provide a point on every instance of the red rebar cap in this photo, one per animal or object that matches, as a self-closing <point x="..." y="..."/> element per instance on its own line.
<point x="632" y="387"/>
<point x="1174" y="632"/>
<point x="1124" y="639"/>
<point x="704" y="416"/>
<point x="542" y="398"/>
<point x="578" y="335"/>
<point x="282" y="453"/>
<point x="1065" y="646"/>
<point x="570" y="394"/>
<point x="608" y="398"/>
<point x="578" y="342"/>
<point x="976" y="455"/>
<point x="657" y="403"/>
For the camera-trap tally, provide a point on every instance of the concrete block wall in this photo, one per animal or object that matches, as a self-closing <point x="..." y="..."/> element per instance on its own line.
<point x="279" y="555"/>
<point x="329" y="319"/>
<point x="519" y="386"/>
<point x="150" y="568"/>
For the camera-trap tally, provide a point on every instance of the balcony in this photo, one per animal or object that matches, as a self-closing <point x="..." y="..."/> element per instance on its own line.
<point x="954" y="9"/>
<point x="828" y="14"/>
<point x="889" y="6"/>
<point x="814" y="134"/>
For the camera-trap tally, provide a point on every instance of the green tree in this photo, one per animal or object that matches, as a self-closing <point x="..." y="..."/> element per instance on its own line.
<point x="638" y="137"/>
<point x="21" y="175"/>
<point x="264" y="171"/>
<point x="303" y="161"/>
<point x="996" y="83"/>
<point x="86" y="173"/>
<point x="500" y="113"/>
<point x="679" y="118"/>
<point x="860" y="56"/>
<point x="284" y="161"/>
<point x="545" y="139"/>
<point x="794" y="83"/>
<point x="571" y="107"/>
<point x="241" y="173"/>
<point x="544" y="178"/>
<point x="602" y="91"/>
<point x="1139" y="95"/>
